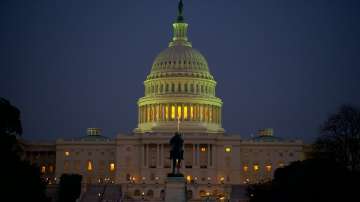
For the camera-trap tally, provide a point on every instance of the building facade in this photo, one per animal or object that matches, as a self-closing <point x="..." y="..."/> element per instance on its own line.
<point x="179" y="95"/>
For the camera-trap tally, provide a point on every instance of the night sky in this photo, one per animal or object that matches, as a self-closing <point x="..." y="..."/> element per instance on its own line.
<point x="286" y="64"/>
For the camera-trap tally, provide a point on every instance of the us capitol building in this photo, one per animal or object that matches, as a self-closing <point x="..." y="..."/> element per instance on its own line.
<point x="180" y="95"/>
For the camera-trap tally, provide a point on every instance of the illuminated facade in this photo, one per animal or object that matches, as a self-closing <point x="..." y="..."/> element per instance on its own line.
<point x="179" y="88"/>
<point x="179" y="95"/>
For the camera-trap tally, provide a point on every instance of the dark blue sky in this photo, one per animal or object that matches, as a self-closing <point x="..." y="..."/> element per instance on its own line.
<point x="286" y="64"/>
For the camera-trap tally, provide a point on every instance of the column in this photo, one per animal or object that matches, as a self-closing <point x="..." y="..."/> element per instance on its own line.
<point x="142" y="114"/>
<point x="195" y="112"/>
<point x="194" y="155"/>
<point x="147" y="155"/>
<point x="197" y="154"/>
<point x="220" y="115"/>
<point x="161" y="155"/>
<point x="207" y="113"/>
<point x="157" y="156"/>
<point x="216" y="115"/>
<point x="149" y="112"/>
<point x="143" y="156"/>
<point x="208" y="155"/>
<point x="214" y="155"/>
<point x="139" y="113"/>
<point x="162" y="118"/>
<point x="211" y="155"/>
<point x="145" y="113"/>
<point x="153" y="112"/>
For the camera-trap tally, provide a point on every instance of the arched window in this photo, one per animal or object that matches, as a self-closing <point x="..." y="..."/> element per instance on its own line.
<point x="167" y="87"/>
<point x="179" y="87"/>
<point x="197" y="88"/>
<point x="186" y="87"/>
<point x="172" y="87"/>
<point x="161" y="88"/>
<point x="192" y="88"/>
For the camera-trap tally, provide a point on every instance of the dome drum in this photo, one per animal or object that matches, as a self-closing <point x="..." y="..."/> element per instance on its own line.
<point x="180" y="86"/>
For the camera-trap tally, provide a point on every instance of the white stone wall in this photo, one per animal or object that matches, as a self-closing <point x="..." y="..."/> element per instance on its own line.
<point x="72" y="156"/>
<point x="141" y="161"/>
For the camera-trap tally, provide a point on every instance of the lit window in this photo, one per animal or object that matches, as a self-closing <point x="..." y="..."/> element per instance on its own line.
<point x="67" y="153"/>
<point x="227" y="149"/>
<point x="179" y="112"/>
<point x="173" y="112"/>
<point x="203" y="149"/>
<point x="281" y="165"/>
<point x="222" y="179"/>
<point x="185" y="112"/>
<point x="167" y="112"/>
<point x="51" y="169"/>
<point x="256" y="167"/>
<point x="112" y="166"/>
<point x="191" y="112"/>
<point x="188" y="178"/>
<point x="268" y="168"/>
<point x="43" y="169"/>
<point x="246" y="168"/>
<point x="89" y="166"/>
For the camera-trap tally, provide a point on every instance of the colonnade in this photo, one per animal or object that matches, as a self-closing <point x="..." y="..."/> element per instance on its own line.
<point x="184" y="112"/>
<point x="157" y="156"/>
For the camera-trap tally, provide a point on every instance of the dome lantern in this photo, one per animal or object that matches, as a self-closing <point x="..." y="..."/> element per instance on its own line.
<point x="180" y="29"/>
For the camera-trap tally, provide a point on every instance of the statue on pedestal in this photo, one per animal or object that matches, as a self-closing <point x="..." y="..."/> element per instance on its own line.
<point x="176" y="154"/>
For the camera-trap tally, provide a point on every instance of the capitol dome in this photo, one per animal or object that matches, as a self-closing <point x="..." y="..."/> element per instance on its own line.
<point x="180" y="60"/>
<point x="179" y="90"/>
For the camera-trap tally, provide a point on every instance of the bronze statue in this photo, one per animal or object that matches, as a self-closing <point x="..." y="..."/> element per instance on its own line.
<point x="176" y="153"/>
<point x="180" y="17"/>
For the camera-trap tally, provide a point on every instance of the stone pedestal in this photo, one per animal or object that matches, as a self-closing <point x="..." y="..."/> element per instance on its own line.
<point x="175" y="189"/>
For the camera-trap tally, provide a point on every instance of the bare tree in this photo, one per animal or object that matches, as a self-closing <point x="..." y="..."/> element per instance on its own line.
<point x="340" y="138"/>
